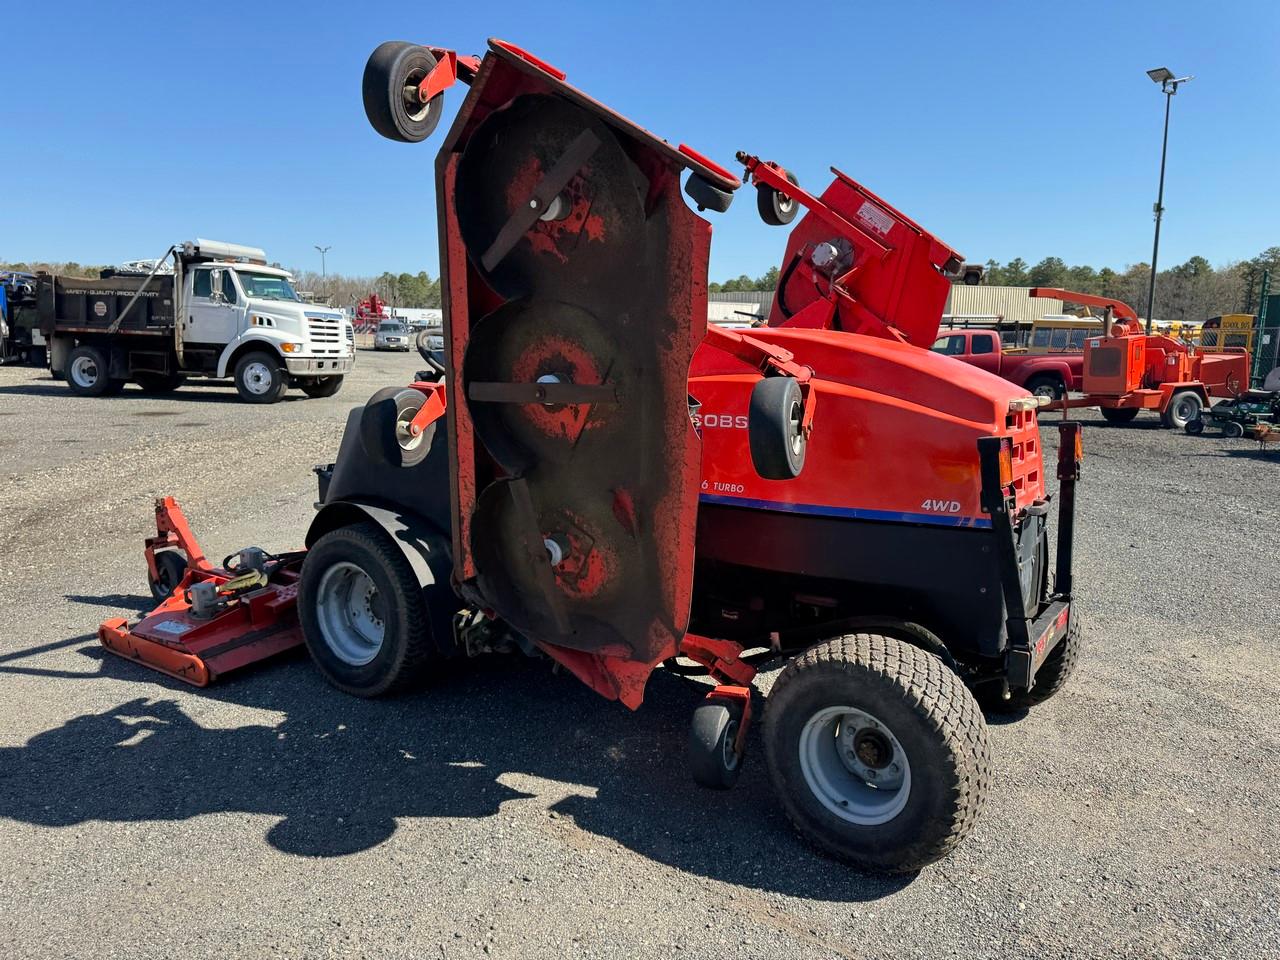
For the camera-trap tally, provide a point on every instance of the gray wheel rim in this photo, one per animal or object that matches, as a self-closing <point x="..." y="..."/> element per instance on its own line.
<point x="408" y="442"/>
<point x="258" y="378"/>
<point x="84" y="371"/>
<point x="1184" y="408"/>
<point x="351" y="614"/>
<point x="796" y="419"/>
<point x="1045" y="390"/>
<point x="832" y="760"/>
<point x="414" y="108"/>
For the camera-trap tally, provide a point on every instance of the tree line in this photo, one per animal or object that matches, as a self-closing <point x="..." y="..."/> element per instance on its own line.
<point x="395" y="289"/>
<point x="1191" y="291"/>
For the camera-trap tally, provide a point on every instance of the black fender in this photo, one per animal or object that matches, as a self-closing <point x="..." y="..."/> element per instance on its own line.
<point x="426" y="549"/>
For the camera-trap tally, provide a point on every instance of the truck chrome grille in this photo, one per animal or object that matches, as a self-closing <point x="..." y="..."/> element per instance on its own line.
<point x="326" y="336"/>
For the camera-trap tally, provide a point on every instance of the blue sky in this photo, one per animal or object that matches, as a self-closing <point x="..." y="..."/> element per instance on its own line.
<point x="1009" y="129"/>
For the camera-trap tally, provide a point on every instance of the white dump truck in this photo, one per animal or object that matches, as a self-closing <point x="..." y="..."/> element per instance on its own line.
<point x="219" y="311"/>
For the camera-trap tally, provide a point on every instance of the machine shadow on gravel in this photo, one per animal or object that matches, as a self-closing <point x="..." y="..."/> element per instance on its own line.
<point x="340" y="772"/>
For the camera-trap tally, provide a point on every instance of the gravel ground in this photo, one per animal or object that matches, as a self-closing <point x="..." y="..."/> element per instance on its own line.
<point x="511" y="812"/>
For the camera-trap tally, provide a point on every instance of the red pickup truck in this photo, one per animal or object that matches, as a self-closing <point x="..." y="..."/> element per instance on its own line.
<point x="1050" y="375"/>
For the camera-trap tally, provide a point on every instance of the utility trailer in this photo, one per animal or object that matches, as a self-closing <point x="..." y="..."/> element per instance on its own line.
<point x="595" y="477"/>
<point x="221" y="312"/>
<point x="1127" y="370"/>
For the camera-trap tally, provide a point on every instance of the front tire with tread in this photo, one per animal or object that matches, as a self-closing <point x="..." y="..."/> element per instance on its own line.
<point x="406" y="648"/>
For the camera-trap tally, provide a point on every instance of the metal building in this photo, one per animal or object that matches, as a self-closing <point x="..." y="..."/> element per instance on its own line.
<point x="1011" y="303"/>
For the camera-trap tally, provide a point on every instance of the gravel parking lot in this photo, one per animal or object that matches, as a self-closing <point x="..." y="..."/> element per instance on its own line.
<point x="511" y="812"/>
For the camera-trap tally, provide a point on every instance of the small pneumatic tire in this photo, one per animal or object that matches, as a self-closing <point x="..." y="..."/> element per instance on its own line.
<point x="706" y="194"/>
<point x="1058" y="667"/>
<point x="391" y="68"/>
<point x="776" y="208"/>
<point x="775" y="428"/>
<point x="1194" y="427"/>
<point x="1233" y="429"/>
<point x="713" y="761"/>
<point x="384" y="424"/>
<point x="171" y="567"/>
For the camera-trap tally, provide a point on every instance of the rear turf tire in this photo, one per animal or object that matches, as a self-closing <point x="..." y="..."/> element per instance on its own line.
<point x="929" y="723"/>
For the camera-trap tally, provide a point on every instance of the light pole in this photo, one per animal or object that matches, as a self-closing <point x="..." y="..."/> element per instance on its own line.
<point x="324" y="274"/>
<point x="1168" y="86"/>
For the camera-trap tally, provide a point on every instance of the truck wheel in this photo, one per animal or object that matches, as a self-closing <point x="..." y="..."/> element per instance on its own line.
<point x="159" y="382"/>
<point x="317" y="387"/>
<point x="1046" y="386"/>
<point x="1184" y="406"/>
<point x="391" y="76"/>
<point x="1052" y="676"/>
<point x="87" y="372"/>
<point x="774" y="428"/>
<point x="1119" y="415"/>
<point x="878" y="752"/>
<point x="384" y="427"/>
<point x="363" y="616"/>
<point x="259" y="378"/>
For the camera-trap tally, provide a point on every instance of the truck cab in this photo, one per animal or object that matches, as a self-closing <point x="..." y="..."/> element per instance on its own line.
<point x="1050" y="375"/>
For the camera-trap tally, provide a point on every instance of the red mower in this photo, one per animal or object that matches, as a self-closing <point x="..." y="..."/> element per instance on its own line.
<point x="594" y="476"/>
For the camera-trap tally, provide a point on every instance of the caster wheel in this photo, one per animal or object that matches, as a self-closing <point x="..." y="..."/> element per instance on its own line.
<point x="171" y="567"/>
<point x="706" y="195"/>
<point x="775" y="428"/>
<point x="713" y="761"/>
<point x="384" y="428"/>
<point x="775" y="208"/>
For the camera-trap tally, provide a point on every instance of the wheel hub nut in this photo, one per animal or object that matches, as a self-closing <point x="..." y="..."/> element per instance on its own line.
<point x="872" y="750"/>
